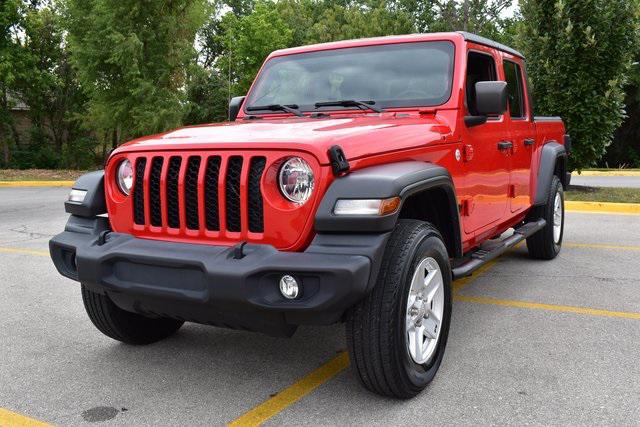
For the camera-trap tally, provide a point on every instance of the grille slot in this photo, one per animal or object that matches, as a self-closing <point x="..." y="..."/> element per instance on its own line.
<point x="173" y="199"/>
<point x="138" y="191"/>
<point x="234" y="171"/>
<point x="154" y="191"/>
<point x="173" y="204"/>
<point x="191" y="193"/>
<point x="211" y="178"/>
<point x="256" y="220"/>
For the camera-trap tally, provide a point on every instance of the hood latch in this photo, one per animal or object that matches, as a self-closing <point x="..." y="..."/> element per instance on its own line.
<point x="339" y="163"/>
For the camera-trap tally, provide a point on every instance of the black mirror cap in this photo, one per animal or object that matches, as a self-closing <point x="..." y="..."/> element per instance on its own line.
<point x="471" y="121"/>
<point x="234" y="107"/>
<point x="491" y="98"/>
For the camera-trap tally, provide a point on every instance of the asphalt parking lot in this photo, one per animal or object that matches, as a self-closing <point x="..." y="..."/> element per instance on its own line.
<point x="532" y="342"/>
<point x="606" y="181"/>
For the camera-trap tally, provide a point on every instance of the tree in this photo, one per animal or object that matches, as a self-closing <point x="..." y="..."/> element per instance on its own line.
<point x="354" y="21"/>
<point x="132" y="59"/>
<point x="207" y="95"/>
<point x="234" y="44"/>
<point x="483" y="17"/>
<point x="51" y="91"/>
<point x="12" y="68"/>
<point x="625" y="149"/>
<point x="578" y="56"/>
<point x="247" y="42"/>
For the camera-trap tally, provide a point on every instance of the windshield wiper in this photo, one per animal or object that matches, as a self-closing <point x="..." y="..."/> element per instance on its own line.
<point x="367" y="105"/>
<point x="293" y="109"/>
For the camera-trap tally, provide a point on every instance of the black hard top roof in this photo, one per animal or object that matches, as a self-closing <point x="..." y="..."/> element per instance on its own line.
<point x="490" y="43"/>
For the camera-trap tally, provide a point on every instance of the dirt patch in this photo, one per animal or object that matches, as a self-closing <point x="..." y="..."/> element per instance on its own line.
<point x="39" y="175"/>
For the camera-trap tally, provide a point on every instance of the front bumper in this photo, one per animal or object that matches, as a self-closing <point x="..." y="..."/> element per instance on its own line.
<point x="207" y="284"/>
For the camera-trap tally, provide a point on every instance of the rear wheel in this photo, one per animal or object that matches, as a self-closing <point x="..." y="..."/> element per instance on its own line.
<point x="397" y="335"/>
<point x="547" y="242"/>
<point x="121" y="325"/>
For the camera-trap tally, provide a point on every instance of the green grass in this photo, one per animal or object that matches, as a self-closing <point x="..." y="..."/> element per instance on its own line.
<point x="39" y="175"/>
<point x="592" y="194"/>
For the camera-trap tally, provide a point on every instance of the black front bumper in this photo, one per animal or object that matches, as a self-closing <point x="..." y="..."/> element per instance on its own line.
<point x="207" y="284"/>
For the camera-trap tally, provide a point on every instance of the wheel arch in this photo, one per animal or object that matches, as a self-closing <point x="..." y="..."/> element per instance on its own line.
<point x="438" y="206"/>
<point x="553" y="162"/>
<point x="426" y="191"/>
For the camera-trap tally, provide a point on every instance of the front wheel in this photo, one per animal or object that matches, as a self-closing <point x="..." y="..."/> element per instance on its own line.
<point x="398" y="333"/>
<point x="121" y="325"/>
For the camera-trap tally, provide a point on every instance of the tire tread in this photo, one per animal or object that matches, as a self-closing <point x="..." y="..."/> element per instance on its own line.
<point x="372" y="323"/>
<point x="541" y="245"/>
<point x="121" y="325"/>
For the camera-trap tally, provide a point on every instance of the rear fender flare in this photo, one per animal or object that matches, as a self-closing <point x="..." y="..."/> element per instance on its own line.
<point x="551" y="154"/>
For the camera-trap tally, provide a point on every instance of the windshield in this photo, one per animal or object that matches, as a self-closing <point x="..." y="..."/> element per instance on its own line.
<point x="392" y="75"/>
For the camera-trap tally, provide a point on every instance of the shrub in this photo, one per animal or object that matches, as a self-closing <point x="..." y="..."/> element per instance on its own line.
<point x="578" y="56"/>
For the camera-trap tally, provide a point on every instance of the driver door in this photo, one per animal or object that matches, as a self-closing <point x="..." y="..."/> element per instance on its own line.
<point x="487" y="177"/>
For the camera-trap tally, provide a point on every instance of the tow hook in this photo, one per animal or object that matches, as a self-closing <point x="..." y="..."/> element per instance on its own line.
<point x="102" y="237"/>
<point x="238" y="250"/>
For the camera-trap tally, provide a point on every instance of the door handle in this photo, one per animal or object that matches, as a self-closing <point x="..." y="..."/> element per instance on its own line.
<point x="529" y="141"/>
<point x="505" y="145"/>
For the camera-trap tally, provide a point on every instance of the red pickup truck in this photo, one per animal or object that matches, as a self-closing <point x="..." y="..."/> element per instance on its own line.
<point x="353" y="183"/>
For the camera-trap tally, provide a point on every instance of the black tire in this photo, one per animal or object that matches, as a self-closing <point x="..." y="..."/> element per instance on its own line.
<point x="543" y="244"/>
<point x="121" y="325"/>
<point x="375" y="327"/>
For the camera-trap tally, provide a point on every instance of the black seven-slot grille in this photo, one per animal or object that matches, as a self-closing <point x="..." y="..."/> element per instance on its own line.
<point x="200" y="209"/>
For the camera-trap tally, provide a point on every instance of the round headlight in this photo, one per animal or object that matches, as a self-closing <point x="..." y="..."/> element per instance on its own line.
<point x="296" y="180"/>
<point x="124" y="176"/>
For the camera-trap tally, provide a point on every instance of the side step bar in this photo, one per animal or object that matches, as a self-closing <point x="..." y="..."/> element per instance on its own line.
<point x="493" y="249"/>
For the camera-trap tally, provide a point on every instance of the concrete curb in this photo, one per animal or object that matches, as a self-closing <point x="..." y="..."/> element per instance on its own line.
<point x="36" y="183"/>
<point x="620" y="172"/>
<point x="603" y="207"/>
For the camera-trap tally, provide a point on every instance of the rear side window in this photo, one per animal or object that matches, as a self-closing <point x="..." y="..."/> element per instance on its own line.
<point x="515" y="89"/>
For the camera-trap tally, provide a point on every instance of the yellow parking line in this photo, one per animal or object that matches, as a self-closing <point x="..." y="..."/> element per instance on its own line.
<point x="306" y="385"/>
<point x="36" y="183"/>
<point x="548" y="307"/>
<point x="461" y="283"/>
<point x="24" y="251"/>
<point x="603" y="207"/>
<point x="11" y="419"/>
<point x="313" y="380"/>
<point x="293" y="393"/>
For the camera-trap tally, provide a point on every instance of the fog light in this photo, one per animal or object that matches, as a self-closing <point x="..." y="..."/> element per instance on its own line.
<point x="289" y="287"/>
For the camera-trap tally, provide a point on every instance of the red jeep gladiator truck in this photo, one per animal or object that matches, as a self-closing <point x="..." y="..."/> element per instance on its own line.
<point x="354" y="182"/>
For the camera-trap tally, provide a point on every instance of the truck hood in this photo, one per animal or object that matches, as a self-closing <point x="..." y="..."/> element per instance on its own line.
<point x="359" y="135"/>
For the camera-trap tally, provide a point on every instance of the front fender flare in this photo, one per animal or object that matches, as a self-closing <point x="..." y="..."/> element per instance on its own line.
<point x="402" y="179"/>
<point x="94" y="202"/>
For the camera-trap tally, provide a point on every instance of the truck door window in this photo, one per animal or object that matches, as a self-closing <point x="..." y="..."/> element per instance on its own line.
<point x="515" y="89"/>
<point x="480" y="68"/>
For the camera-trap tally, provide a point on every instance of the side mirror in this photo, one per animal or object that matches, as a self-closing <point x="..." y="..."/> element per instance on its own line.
<point x="234" y="107"/>
<point x="491" y="98"/>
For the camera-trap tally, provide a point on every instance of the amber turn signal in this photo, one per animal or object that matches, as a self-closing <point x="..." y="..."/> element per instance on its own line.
<point x="378" y="207"/>
<point x="389" y="206"/>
